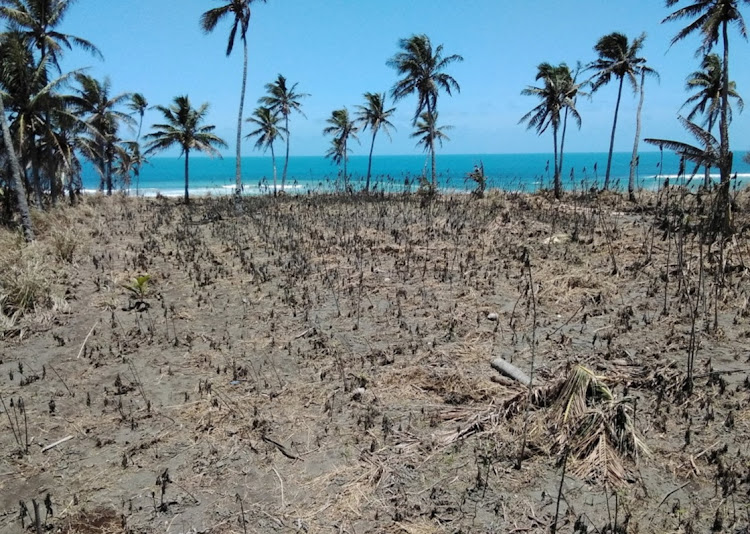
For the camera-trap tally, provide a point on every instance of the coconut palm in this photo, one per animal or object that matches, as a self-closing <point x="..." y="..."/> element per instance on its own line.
<point x="428" y="133"/>
<point x="374" y="116"/>
<point x="268" y="130"/>
<point x="94" y="101"/>
<point x="634" y="158"/>
<point x="342" y="128"/>
<point x="138" y="105"/>
<point x="618" y="59"/>
<point x="422" y="71"/>
<point x="239" y="13"/>
<point x="282" y="100"/>
<point x="183" y="127"/>
<point x="557" y="95"/>
<point x="37" y="19"/>
<point x="706" y="100"/>
<point x="706" y="155"/>
<point x="16" y="181"/>
<point x="711" y="19"/>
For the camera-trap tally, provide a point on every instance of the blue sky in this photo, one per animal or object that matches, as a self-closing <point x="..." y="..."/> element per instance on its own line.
<point x="337" y="50"/>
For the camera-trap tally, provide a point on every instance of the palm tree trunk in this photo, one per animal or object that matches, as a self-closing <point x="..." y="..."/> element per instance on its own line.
<point x="558" y="185"/>
<point x="346" y="176"/>
<point x="369" y="162"/>
<point x="273" y="163"/>
<point x="432" y="146"/>
<point x="286" y="158"/>
<point x="109" y="168"/>
<point x="562" y="139"/>
<point x="187" y="175"/>
<point x="707" y="174"/>
<point x="612" y="137"/>
<point x="18" y="189"/>
<point x="634" y="157"/>
<point x="238" y="163"/>
<point x="725" y="156"/>
<point x="37" y="181"/>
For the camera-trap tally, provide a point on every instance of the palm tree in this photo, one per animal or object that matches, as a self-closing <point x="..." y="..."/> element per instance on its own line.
<point x="619" y="59"/>
<point x="427" y="134"/>
<point x="706" y="100"/>
<point x="37" y="19"/>
<point x="707" y="155"/>
<point x="342" y="128"/>
<point x="422" y="71"/>
<point x="268" y="130"/>
<point x="138" y="105"/>
<point x="184" y="127"/>
<point x="634" y="158"/>
<point x="374" y="116"/>
<point x="711" y="18"/>
<point x="94" y="101"/>
<point x="16" y="181"/>
<point x="282" y="100"/>
<point x="239" y="12"/>
<point x="557" y="95"/>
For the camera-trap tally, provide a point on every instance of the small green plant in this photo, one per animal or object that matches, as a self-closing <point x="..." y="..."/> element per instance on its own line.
<point x="139" y="287"/>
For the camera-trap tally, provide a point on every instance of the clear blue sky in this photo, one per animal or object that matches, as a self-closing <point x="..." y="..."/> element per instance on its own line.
<point x="337" y="50"/>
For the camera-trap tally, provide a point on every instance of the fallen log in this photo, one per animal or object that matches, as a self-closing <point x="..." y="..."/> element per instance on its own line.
<point x="508" y="369"/>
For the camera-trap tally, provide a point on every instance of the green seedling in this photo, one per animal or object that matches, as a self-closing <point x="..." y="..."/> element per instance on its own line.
<point x="139" y="287"/>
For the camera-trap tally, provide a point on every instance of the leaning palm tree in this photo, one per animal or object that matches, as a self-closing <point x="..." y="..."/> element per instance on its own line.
<point x="268" y="130"/>
<point x="711" y="19"/>
<point x="16" y="180"/>
<point x="342" y="128"/>
<point x="374" y="115"/>
<point x="239" y="12"/>
<point x="282" y="100"/>
<point x="422" y="71"/>
<point x="618" y="59"/>
<point x="184" y="128"/>
<point x="706" y="100"/>
<point x="557" y="94"/>
<point x="428" y="133"/>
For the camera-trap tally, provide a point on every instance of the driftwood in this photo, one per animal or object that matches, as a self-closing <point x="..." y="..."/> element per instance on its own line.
<point x="508" y="369"/>
<point x="58" y="442"/>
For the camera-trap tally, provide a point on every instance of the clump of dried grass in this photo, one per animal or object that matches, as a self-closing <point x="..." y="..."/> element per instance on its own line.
<point x="24" y="280"/>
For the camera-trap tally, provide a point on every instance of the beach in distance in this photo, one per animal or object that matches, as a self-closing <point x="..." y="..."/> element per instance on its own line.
<point x="510" y="172"/>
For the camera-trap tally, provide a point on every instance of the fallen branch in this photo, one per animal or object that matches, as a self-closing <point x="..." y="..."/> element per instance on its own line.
<point x="55" y="444"/>
<point x="281" y="448"/>
<point x="508" y="369"/>
<point x="83" y="346"/>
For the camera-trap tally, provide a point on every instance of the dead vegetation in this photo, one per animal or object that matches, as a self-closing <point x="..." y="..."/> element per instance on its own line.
<point x="322" y="364"/>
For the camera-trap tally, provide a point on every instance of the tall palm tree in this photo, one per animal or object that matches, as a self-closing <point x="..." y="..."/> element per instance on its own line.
<point x="268" y="130"/>
<point x="618" y="58"/>
<point x="375" y="116"/>
<point x="342" y="128"/>
<point x="239" y="12"/>
<point x="138" y="105"/>
<point x="16" y="181"/>
<point x="93" y="100"/>
<point x="711" y="19"/>
<point x="634" y="157"/>
<point x="706" y="100"/>
<point x="428" y="133"/>
<point x="282" y="100"/>
<point x="184" y="128"/>
<point x="557" y="94"/>
<point x="422" y="70"/>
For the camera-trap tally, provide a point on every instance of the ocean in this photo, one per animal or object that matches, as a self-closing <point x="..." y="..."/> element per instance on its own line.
<point x="518" y="172"/>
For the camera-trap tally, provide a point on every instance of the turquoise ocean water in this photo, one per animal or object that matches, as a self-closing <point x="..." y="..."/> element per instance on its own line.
<point x="520" y="172"/>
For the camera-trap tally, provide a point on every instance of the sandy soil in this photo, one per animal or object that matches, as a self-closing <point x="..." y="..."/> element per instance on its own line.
<point x="322" y="364"/>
